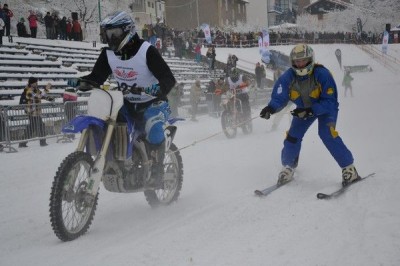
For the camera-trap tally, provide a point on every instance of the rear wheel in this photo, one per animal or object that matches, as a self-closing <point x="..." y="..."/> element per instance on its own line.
<point x="72" y="208"/>
<point x="172" y="180"/>
<point x="228" y="123"/>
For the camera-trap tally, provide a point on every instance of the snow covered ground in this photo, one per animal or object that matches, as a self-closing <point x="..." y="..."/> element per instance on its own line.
<point x="217" y="219"/>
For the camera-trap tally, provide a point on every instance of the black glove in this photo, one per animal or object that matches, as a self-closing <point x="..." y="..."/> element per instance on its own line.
<point x="266" y="112"/>
<point x="302" y="113"/>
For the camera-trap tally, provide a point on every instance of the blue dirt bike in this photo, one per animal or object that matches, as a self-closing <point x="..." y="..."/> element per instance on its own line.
<point x="111" y="152"/>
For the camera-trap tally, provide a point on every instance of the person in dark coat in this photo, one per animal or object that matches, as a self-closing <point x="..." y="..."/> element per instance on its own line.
<point x="257" y="72"/>
<point x="7" y="20"/>
<point x="63" y="28"/>
<point x="21" y="28"/>
<point x="49" y="24"/>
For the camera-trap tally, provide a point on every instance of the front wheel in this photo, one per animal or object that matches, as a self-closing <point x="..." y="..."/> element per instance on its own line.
<point x="247" y="127"/>
<point x="172" y="181"/>
<point x="72" y="208"/>
<point x="228" y="123"/>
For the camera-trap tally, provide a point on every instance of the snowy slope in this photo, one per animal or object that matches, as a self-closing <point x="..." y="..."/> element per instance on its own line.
<point x="217" y="220"/>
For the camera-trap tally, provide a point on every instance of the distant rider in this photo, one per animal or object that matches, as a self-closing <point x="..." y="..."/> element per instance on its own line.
<point x="239" y="84"/>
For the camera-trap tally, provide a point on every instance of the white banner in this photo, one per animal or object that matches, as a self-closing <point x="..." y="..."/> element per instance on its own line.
<point x="260" y="44"/>
<point x="265" y="39"/>
<point x="207" y="33"/>
<point x="263" y="44"/>
<point x="385" y="42"/>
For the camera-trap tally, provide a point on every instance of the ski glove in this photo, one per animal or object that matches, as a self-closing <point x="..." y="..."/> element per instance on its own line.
<point x="154" y="90"/>
<point x="72" y="82"/>
<point x="266" y="112"/>
<point x="302" y="113"/>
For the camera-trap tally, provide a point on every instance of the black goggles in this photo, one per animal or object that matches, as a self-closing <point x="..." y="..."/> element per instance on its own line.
<point x="108" y="34"/>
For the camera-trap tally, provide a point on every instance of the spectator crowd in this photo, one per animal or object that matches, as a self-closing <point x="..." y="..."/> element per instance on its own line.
<point x="55" y="27"/>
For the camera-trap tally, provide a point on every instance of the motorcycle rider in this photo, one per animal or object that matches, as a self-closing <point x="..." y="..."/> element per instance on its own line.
<point x="239" y="84"/>
<point x="312" y="89"/>
<point x="144" y="78"/>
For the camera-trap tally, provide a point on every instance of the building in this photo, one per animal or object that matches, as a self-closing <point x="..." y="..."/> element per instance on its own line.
<point x="322" y="7"/>
<point x="147" y="11"/>
<point x="285" y="11"/>
<point x="189" y="14"/>
<point x="257" y="13"/>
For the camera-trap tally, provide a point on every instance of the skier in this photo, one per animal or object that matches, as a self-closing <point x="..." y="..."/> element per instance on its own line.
<point x="143" y="76"/>
<point x="347" y="79"/>
<point x="312" y="89"/>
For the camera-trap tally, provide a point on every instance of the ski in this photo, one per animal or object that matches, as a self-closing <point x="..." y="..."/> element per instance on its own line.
<point x="269" y="190"/>
<point x="341" y="190"/>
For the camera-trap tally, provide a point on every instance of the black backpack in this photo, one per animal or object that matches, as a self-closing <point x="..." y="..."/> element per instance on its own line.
<point x="22" y="99"/>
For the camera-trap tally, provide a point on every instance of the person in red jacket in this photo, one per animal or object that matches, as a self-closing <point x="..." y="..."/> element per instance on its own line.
<point x="32" y="19"/>
<point x="69" y="29"/>
<point x="76" y="30"/>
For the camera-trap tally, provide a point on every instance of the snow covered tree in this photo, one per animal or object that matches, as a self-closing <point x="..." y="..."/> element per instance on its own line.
<point x="374" y="14"/>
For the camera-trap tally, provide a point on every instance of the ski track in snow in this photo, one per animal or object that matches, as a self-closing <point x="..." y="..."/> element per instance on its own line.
<point x="217" y="219"/>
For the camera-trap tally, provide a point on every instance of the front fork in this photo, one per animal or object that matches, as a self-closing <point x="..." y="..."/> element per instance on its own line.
<point x="97" y="170"/>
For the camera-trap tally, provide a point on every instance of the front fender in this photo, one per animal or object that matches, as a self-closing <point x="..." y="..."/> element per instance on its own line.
<point x="81" y="122"/>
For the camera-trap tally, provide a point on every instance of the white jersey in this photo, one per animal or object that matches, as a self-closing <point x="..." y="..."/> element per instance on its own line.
<point x="234" y="85"/>
<point x="133" y="72"/>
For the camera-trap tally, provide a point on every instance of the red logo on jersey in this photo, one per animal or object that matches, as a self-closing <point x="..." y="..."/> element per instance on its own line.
<point x="125" y="75"/>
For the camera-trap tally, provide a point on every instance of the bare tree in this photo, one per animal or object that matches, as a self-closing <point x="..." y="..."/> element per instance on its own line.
<point x="374" y="14"/>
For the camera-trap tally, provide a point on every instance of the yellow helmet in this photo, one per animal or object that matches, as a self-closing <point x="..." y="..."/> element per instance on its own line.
<point x="302" y="51"/>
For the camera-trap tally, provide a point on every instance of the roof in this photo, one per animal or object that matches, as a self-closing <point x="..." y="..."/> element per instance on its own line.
<point x="397" y="28"/>
<point x="324" y="6"/>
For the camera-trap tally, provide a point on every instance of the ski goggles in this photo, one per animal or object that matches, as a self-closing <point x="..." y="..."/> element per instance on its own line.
<point x="109" y="34"/>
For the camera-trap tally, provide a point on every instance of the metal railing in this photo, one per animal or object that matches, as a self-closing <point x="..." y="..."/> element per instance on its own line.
<point x="19" y="126"/>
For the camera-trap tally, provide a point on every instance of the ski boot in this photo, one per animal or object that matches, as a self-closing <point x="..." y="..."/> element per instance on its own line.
<point x="349" y="175"/>
<point x="286" y="175"/>
<point x="157" y="154"/>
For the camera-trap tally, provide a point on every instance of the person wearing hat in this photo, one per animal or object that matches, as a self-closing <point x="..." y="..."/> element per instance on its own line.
<point x="21" y="28"/>
<point x="34" y="98"/>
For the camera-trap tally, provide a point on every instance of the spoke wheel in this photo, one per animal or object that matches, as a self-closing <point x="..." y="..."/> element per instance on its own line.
<point x="72" y="208"/>
<point x="228" y="123"/>
<point x="172" y="181"/>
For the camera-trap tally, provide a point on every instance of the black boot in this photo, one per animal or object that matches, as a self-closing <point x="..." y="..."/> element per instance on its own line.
<point x="157" y="155"/>
<point x="43" y="142"/>
<point x="23" y="145"/>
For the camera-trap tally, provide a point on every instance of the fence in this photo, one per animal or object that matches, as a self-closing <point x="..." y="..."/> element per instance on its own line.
<point x="17" y="126"/>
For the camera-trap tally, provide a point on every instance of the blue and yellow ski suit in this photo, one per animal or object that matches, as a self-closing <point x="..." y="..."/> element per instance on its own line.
<point x="316" y="91"/>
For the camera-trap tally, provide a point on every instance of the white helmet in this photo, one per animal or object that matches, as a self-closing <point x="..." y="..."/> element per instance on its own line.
<point x="302" y="51"/>
<point x="117" y="30"/>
